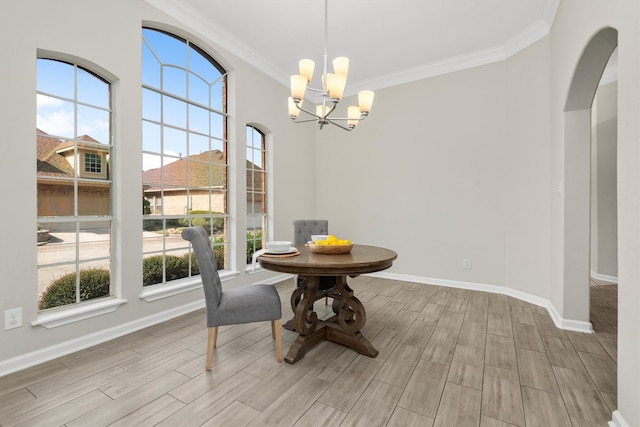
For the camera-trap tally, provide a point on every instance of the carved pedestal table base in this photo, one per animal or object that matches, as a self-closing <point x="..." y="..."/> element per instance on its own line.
<point x="349" y="314"/>
<point x="344" y="327"/>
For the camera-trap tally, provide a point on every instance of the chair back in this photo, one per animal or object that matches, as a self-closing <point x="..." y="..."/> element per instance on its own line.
<point x="207" y="264"/>
<point x="304" y="228"/>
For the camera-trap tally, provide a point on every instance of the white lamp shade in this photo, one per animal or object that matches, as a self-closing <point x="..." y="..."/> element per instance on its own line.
<point x="337" y="82"/>
<point x="306" y="67"/>
<point x="298" y="86"/>
<point x="293" y="108"/>
<point x="365" y="100"/>
<point x="341" y="66"/>
<point x="326" y="81"/>
<point x="353" y="114"/>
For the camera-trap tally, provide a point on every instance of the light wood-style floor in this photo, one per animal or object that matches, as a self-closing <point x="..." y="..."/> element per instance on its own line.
<point x="448" y="357"/>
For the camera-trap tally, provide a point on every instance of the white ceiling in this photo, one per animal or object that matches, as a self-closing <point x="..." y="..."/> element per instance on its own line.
<point x="388" y="42"/>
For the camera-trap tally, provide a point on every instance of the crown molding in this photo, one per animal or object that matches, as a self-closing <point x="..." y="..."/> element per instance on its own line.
<point x="182" y="11"/>
<point x="185" y="13"/>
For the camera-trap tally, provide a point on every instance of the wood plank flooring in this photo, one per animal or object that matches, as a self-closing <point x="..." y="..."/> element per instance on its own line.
<point x="448" y="357"/>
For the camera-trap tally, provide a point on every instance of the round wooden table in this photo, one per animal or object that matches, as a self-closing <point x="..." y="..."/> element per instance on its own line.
<point x="350" y="316"/>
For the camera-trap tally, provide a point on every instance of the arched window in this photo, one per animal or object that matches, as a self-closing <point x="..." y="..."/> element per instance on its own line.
<point x="184" y="143"/>
<point x="73" y="144"/>
<point x="256" y="191"/>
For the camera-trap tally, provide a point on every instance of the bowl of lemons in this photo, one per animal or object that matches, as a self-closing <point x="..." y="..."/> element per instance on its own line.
<point x="331" y="246"/>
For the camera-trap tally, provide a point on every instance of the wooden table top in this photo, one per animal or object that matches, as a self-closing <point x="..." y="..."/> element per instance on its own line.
<point x="361" y="259"/>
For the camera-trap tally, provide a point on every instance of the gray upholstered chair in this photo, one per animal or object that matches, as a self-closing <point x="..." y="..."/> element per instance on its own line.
<point x="303" y="229"/>
<point x="249" y="304"/>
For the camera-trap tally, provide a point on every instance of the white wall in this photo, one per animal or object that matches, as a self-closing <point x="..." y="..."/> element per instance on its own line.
<point x="425" y="175"/>
<point x="604" y="200"/>
<point x="577" y="21"/>
<point x="108" y="34"/>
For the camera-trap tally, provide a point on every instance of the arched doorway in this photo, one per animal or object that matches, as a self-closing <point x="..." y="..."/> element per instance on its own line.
<point x="577" y="172"/>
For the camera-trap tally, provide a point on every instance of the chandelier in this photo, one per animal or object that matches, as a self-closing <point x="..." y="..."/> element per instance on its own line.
<point x="333" y="85"/>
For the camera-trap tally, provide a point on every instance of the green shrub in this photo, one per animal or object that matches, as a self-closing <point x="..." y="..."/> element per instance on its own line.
<point x="207" y="223"/>
<point x="253" y="239"/>
<point x="152" y="270"/>
<point x="177" y="267"/>
<point x="218" y="252"/>
<point x="94" y="283"/>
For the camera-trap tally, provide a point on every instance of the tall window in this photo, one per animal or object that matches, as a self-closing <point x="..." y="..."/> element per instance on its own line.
<point x="256" y="191"/>
<point x="184" y="154"/>
<point x="73" y="145"/>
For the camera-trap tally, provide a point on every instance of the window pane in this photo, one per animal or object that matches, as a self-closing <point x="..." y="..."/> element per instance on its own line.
<point x="256" y="191"/>
<point x="151" y="139"/>
<point x="174" y="80"/>
<point x="174" y="112"/>
<point x="198" y="119"/>
<point x="94" y="199"/>
<point x="150" y="105"/>
<point x="217" y="125"/>
<point x="150" y="68"/>
<point x="151" y="165"/>
<point x="174" y="142"/>
<point x="202" y="66"/>
<point x="59" y="243"/>
<point x="95" y="242"/>
<point x="55" y="78"/>
<point x="94" y="124"/>
<point x="198" y="144"/>
<point x="92" y="90"/>
<point x="217" y="145"/>
<point x="198" y="90"/>
<point x="169" y="49"/>
<point x="217" y="96"/>
<point x="55" y="116"/>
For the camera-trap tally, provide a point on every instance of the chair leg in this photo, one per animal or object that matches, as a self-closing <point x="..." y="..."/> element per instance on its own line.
<point x="212" y="337"/>
<point x="276" y="331"/>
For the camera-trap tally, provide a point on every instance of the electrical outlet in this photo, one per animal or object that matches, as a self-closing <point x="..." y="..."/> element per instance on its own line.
<point x="466" y="263"/>
<point x="13" y="318"/>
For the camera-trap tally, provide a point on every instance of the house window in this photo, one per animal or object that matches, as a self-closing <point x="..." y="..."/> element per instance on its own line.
<point x="184" y="142"/>
<point x="92" y="163"/>
<point x="256" y="191"/>
<point x="74" y="210"/>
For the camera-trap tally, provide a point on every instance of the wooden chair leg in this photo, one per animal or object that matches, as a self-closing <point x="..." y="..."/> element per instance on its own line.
<point x="212" y="337"/>
<point x="276" y="331"/>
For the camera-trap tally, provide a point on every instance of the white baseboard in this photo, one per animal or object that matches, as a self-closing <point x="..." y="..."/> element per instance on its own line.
<point x="567" y="324"/>
<point x="618" y="420"/>
<point x="604" y="277"/>
<point x="33" y="358"/>
<point x="49" y="353"/>
<point x="58" y="350"/>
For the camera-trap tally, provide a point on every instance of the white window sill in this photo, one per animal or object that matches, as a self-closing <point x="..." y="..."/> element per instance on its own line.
<point x="251" y="270"/>
<point x="83" y="311"/>
<point x="156" y="292"/>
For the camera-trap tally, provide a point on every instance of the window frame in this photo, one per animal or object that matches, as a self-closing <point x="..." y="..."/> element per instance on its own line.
<point x="251" y="147"/>
<point x="80" y="309"/>
<point x="159" y="205"/>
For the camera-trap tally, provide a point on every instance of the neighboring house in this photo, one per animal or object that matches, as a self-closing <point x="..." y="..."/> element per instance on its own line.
<point x="56" y="171"/>
<point x="166" y="187"/>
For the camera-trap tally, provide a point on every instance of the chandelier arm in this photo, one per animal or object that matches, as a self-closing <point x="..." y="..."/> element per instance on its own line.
<point x="304" y="121"/>
<point x="299" y="105"/>
<point x="340" y="126"/>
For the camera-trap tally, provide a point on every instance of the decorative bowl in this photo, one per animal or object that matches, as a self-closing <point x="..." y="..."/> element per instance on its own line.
<point x="278" y="246"/>
<point x="330" y="249"/>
